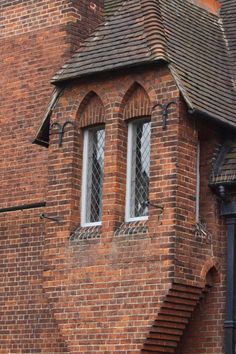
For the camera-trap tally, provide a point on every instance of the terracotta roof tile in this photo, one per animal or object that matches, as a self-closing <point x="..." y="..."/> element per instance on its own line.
<point x="133" y="35"/>
<point x="111" y="6"/>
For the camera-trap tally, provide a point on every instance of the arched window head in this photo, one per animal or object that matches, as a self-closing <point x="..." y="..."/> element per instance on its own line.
<point x="91" y="110"/>
<point x="137" y="102"/>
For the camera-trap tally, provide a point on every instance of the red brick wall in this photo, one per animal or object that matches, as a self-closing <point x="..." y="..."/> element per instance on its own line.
<point x="27" y="323"/>
<point x="60" y="291"/>
<point x="35" y="40"/>
<point x="198" y="254"/>
<point x="36" y="37"/>
<point x="194" y="251"/>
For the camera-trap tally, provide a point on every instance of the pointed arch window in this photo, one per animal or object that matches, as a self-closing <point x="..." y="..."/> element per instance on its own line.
<point x="92" y="181"/>
<point x="138" y="165"/>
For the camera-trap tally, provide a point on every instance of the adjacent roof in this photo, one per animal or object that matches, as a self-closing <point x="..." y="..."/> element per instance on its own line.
<point x="184" y="35"/>
<point x="224" y="169"/>
<point x="228" y="14"/>
<point x="199" y="61"/>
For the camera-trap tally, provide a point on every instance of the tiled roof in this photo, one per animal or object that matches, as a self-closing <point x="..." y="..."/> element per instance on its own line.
<point x="133" y="35"/>
<point x="224" y="170"/>
<point x="111" y="6"/>
<point x="186" y="36"/>
<point x="197" y="53"/>
<point x="228" y="14"/>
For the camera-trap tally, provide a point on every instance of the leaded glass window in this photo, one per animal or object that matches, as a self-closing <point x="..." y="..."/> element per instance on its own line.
<point x="93" y="166"/>
<point x="138" y="164"/>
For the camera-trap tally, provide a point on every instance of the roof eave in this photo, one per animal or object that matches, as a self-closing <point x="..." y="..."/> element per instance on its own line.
<point x="221" y="121"/>
<point x="57" y="81"/>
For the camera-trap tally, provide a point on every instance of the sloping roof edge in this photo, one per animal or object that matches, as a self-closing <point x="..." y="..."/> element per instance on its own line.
<point x="42" y="135"/>
<point x="181" y="87"/>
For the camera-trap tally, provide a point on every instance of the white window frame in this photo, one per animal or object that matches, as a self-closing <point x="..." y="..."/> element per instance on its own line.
<point x="130" y="145"/>
<point x="84" y="188"/>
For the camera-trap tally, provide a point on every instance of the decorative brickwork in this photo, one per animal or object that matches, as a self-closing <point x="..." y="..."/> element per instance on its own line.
<point x="91" y="111"/>
<point x="138" y="103"/>
<point x="173" y="318"/>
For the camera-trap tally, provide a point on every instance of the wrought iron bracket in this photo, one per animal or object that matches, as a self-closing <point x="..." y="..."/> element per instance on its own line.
<point x="45" y="216"/>
<point x="154" y="205"/>
<point x="61" y="129"/>
<point x="165" y="111"/>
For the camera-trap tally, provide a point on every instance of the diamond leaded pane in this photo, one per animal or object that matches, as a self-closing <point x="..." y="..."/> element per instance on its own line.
<point x="140" y="169"/>
<point x="95" y="175"/>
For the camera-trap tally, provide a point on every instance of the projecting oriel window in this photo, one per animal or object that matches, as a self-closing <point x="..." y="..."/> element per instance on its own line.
<point x="93" y="165"/>
<point x="138" y="163"/>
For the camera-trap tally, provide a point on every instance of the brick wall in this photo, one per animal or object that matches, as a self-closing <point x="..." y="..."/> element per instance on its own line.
<point x="27" y="323"/>
<point x="67" y="289"/>
<point x="36" y="37"/>
<point x="195" y="249"/>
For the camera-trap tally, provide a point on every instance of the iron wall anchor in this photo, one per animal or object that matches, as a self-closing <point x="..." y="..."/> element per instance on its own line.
<point x="61" y="130"/>
<point x="165" y="111"/>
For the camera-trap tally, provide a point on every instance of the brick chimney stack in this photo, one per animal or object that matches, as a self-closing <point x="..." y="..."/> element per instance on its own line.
<point x="212" y="6"/>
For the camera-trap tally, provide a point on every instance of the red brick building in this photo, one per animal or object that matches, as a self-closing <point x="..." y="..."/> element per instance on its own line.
<point x="118" y="161"/>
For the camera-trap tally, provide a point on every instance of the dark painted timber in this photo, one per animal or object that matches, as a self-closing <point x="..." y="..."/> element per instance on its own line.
<point x="228" y="210"/>
<point x="23" y="207"/>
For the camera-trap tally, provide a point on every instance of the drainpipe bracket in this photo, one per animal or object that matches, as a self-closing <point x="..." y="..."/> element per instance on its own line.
<point x="229" y="324"/>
